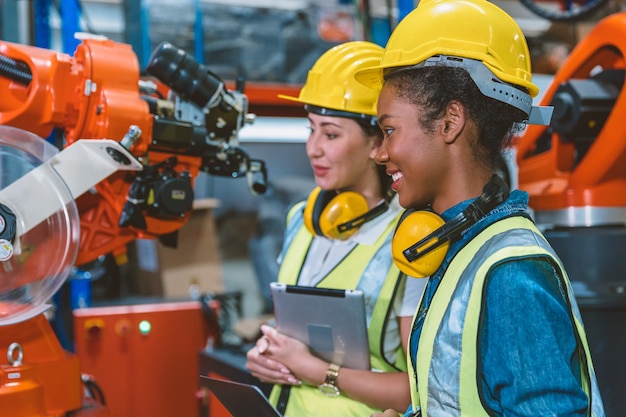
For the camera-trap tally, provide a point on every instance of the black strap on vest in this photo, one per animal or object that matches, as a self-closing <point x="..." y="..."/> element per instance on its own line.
<point x="281" y="406"/>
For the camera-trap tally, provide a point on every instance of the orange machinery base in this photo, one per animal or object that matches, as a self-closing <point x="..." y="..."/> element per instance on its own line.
<point x="144" y="356"/>
<point x="40" y="378"/>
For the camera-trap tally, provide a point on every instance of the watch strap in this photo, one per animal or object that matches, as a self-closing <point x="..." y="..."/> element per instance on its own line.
<point x="329" y="386"/>
<point x="331" y="374"/>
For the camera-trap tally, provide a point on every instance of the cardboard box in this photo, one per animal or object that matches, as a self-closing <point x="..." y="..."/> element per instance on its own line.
<point x="194" y="265"/>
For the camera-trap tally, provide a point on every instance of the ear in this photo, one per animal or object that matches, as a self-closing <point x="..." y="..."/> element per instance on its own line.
<point x="453" y="121"/>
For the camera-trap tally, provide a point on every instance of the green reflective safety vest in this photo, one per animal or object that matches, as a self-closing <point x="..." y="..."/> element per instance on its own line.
<point x="371" y="263"/>
<point x="463" y="281"/>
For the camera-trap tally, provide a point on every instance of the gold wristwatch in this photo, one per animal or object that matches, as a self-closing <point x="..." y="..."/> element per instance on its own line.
<point x="329" y="387"/>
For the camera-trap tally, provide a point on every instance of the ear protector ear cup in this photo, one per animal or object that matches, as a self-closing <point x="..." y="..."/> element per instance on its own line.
<point x="423" y="258"/>
<point x="313" y="205"/>
<point x="412" y="224"/>
<point x="337" y="215"/>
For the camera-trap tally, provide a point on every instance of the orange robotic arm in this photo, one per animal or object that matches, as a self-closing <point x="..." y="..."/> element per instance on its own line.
<point x="578" y="163"/>
<point x="98" y="93"/>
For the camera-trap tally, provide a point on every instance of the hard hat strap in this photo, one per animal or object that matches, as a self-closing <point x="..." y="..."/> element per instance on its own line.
<point x="339" y="113"/>
<point x="486" y="81"/>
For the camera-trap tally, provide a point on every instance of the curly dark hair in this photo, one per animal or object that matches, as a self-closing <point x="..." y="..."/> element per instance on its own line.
<point x="432" y="88"/>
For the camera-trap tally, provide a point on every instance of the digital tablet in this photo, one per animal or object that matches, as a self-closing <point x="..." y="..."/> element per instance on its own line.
<point x="331" y="322"/>
<point x="241" y="400"/>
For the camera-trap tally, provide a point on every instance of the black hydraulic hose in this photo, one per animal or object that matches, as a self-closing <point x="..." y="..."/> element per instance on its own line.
<point x="15" y="70"/>
<point x="96" y="392"/>
<point x="94" y="389"/>
<point x="574" y="14"/>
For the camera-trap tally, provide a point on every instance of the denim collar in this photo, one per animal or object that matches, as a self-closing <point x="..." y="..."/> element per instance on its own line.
<point x="516" y="203"/>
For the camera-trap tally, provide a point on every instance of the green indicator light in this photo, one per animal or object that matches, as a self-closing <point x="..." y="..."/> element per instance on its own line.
<point x="145" y="327"/>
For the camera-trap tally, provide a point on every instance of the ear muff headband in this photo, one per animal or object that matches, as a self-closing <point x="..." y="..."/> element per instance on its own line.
<point x="431" y="249"/>
<point x="338" y="215"/>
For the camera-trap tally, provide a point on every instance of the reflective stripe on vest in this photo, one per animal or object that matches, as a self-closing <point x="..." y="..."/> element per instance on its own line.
<point x="369" y="268"/>
<point x="440" y="393"/>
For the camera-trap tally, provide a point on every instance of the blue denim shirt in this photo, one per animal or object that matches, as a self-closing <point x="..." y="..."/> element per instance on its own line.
<point x="528" y="352"/>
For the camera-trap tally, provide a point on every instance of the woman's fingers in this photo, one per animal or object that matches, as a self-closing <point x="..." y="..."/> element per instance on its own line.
<point x="267" y="369"/>
<point x="263" y="345"/>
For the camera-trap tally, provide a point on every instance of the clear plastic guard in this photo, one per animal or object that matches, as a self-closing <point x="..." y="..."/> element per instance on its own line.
<point x="37" y="262"/>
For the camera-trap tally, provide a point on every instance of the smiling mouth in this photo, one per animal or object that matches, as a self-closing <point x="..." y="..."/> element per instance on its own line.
<point x="396" y="176"/>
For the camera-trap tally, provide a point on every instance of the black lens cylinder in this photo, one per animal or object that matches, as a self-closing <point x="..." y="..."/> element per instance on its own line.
<point x="183" y="74"/>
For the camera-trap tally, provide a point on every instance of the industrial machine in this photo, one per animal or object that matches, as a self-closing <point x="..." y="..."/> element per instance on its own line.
<point x="575" y="173"/>
<point x="178" y="122"/>
<point x="130" y="150"/>
<point x="143" y="356"/>
<point x="39" y="238"/>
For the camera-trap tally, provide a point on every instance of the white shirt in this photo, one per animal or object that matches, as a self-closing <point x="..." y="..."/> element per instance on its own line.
<point x="325" y="254"/>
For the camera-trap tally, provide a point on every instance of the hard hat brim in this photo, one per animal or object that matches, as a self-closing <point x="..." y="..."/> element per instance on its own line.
<point x="371" y="77"/>
<point x="291" y="98"/>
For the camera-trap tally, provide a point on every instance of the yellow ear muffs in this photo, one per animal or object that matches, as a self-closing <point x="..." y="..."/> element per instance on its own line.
<point x="433" y="234"/>
<point x="415" y="226"/>
<point x="309" y="219"/>
<point x="327" y="211"/>
<point x="345" y="207"/>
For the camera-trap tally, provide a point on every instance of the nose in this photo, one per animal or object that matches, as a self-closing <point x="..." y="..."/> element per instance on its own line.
<point x="312" y="146"/>
<point x="381" y="154"/>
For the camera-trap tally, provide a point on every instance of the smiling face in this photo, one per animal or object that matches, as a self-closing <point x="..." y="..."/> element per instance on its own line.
<point x="341" y="155"/>
<point x="414" y="157"/>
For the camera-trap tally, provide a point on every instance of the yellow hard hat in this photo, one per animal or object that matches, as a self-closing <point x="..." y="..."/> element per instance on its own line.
<point x="477" y="31"/>
<point x="330" y="86"/>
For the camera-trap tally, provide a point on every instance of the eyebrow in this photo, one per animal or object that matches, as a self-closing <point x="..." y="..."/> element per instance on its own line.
<point x="383" y="117"/>
<point x="323" y="124"/>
